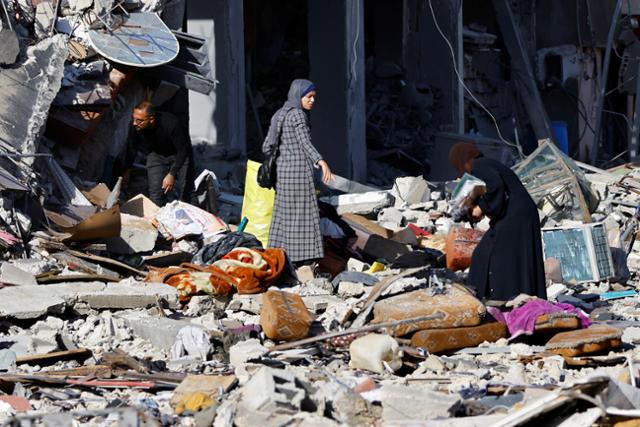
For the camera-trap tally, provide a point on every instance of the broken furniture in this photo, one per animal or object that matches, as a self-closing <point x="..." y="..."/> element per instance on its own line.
<point x="556" y="184"/>
<point x="582" y="251"/>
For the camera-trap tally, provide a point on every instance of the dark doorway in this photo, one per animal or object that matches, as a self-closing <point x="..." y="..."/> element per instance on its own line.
<point x="276" y="52"/>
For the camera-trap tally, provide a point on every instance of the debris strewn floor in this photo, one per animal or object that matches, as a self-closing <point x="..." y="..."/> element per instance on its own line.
<point x="114" y="311"/>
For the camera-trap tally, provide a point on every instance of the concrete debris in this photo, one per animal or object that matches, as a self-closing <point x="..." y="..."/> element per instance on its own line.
<point x="137" y="235"/>
<point x="108" y="316"/>
<point x="245" y="351"/>
<point x="363" y="203"/>
<point x="39" y="77"/>
<point x="11" y="275"/>
<point x="9" y="46"/>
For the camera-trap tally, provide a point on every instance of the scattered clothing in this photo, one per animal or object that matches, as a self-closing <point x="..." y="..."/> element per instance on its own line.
<point x="178" y="220"/>
<point x="226" y="243"/>
<point x="243" y="270"/>
<point x="522" y="320"/>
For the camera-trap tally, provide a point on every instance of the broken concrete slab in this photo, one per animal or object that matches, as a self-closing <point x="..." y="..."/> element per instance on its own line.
<point x="9" y="47"/>
<point x="7" y="360"/>
<point x="244" y="351"/>
<point x="11" y="275"/>
<point x="362" y="203"/>
<point x="136" y="235"/>
<point x="125" y="295"/>
<point x="159" y="331"/>
<point x="31" y="88"/>
<point x="80" y="5"/>
<point x="251" y="303"/>
<point x="423" y="403"/>
<point x="391" y="218"/>
<point x="410" y="190"/>
<point x="31" y="302"/>
<point x="319" y="303"/>
<point x="350" y="289"/>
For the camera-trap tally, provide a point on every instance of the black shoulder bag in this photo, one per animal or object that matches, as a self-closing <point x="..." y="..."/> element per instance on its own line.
<point x="267" y="171"/>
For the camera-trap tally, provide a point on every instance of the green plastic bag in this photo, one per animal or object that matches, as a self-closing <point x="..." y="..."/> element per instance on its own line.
<point x="257" y="205"/>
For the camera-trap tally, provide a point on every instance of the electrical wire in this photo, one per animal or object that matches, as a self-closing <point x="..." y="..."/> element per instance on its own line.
<point x="626" y="119"/>
<point x="455" y="69"/>
<point x="355" y="41"/>
<point x="579" y="103"/>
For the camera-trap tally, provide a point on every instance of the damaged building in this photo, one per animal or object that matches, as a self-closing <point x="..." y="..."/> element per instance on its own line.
<point x="116" y="310"/>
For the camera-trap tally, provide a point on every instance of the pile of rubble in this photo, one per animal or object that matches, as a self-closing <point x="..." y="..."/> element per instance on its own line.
<point x="127" y="313"/>
<point x="117" y="311"/>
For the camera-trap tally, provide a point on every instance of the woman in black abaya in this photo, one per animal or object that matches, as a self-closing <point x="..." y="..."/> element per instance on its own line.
<point x="508" y="260"/>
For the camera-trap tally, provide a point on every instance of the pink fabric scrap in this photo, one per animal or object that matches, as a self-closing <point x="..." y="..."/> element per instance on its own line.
<point x="522" y="320"/>
<point x="9" y="239"/>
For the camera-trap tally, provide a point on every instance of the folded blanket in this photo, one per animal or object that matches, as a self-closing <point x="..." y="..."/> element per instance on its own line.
<point x="242" y="270"/>
<point x="522" y="320"/>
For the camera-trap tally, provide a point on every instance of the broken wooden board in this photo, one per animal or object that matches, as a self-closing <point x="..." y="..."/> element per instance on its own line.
<point x="137" y="39"/>
<point x="108" y="261"/>
<point x="56" y="356"/>
<point x="95" y="371"/>
<point x="118" y="359"/>
<point x="366" y="225"/>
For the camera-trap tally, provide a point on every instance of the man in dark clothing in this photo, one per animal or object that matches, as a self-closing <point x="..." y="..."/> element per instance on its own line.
<point x="167" y="145"/>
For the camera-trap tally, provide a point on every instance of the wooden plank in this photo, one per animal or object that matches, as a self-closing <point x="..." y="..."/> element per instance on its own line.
<point x="109" y="261"/>
<point x="96" y="371"/>
<point x="368" y="328"/>
<point x="368" y="226"/>
<point x="51" y="358"/>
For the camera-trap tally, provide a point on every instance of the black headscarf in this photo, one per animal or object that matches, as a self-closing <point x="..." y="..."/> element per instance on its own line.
<point x="298" y="89"/>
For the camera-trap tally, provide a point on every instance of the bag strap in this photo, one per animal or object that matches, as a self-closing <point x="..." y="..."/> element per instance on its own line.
<point x="280" y="131"/>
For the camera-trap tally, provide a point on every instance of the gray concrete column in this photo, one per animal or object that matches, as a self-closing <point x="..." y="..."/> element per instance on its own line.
<point x="218" y="119"/>
<point x="427" y="57"/>
<point x="336" y="56"/>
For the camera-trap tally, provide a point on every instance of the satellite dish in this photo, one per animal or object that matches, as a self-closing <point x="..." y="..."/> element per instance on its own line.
<point x="135" y="39"/>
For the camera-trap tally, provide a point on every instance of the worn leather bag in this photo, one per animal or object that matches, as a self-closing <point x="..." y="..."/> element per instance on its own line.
<point x="267" y="171"/>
